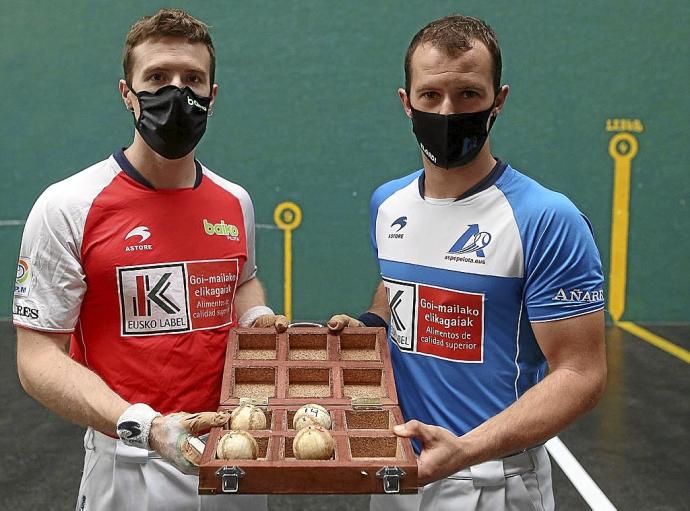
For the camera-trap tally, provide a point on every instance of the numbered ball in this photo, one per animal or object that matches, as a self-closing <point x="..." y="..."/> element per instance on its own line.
<point x="313" y="443"/>
<point x="312" y="414"/>
<point x="247" y="417"/>
<point x="237" y="445"/>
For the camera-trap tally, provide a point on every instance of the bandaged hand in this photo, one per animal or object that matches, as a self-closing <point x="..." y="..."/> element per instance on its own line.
<point x="340" y="321"/>
<point x="261" y="316"/>
<point x="174" y="437"/>
<point x="267" y="320"/>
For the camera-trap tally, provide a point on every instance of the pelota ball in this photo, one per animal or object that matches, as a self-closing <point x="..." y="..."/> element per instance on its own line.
<point x="237" y="445"/>
<point x="313" y="443"/>
<point x="311" y="414"/>
<point x="247" y="417"/>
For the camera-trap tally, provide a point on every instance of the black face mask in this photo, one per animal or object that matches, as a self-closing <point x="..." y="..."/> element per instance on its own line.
<point x="451" y="140"/>
<point x="171" y="120"/>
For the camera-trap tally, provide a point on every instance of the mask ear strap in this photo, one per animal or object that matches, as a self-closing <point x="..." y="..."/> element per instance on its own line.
<point x="131" y="89"/>
<point x="129" y="86"/>
<point x="494" y="115"/>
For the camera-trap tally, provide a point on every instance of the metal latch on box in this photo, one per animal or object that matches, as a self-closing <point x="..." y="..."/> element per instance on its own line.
<point x="366" y="403"/>
<point x="230" y="478"/>
<point x="261" y="402"/>
<point x="391" y="478"/>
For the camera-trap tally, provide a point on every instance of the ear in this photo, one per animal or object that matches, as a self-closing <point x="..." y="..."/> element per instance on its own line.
<point x="501" y="98"/>
<point x="125" y="94"/>
<point x="405" y="100"/>
<point x="214" y="94"/>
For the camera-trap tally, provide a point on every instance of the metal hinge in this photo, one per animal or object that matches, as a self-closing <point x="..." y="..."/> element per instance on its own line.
<point x="230" y="478"/>
<point x="261" y="402"/>
<point x="366" y="403"/>
<point x="391" y="478"/>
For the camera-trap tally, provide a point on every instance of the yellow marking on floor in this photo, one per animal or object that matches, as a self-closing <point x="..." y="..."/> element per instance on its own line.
<point x="287" y="216"/>
<point x="655" y="340"/>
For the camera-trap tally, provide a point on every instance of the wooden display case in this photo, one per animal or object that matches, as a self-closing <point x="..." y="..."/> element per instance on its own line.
<point x="350" y="374"/>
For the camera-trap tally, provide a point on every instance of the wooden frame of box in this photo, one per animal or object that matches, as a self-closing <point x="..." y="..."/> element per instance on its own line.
<point x="350" y="374"/>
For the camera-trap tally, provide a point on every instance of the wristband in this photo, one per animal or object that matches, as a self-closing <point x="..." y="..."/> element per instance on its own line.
<point x="134" y="425"/>
<point x="371" y="319"/>
<point x="253" y="313"/>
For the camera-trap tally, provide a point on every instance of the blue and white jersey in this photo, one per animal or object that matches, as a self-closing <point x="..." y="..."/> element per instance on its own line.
<point x="465" y="278"/>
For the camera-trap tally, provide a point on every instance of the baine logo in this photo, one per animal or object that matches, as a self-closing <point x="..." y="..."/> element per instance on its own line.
<point x="428" y="153"/>
<point x="194" y="102"/>
<point x="401" y="223"/>
<point x="472" y="240"/>
<point x="222" y="229"/>
<point x="143" y="233"/>
<point x="21" y="284"/>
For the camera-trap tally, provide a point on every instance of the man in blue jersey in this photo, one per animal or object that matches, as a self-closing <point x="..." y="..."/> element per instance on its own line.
<point x="491" y="291"/>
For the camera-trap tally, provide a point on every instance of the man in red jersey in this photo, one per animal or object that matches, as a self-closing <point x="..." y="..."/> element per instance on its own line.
<point x="141" y="264"/>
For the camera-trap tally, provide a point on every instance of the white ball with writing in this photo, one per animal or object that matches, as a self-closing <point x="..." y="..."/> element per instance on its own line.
<point x="311" y="414"/>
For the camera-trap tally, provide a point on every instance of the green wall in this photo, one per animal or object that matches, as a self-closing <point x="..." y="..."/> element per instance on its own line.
<point x="308" y="112"/>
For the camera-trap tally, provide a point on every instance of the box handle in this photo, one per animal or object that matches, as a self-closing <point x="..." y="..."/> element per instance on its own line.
<point x="391" y="478"/>
<point x="230" y="478"/>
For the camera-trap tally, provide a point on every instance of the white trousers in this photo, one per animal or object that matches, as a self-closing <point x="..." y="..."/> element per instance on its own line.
<point x="118" y="477"/>
<point x="516" y="483"/>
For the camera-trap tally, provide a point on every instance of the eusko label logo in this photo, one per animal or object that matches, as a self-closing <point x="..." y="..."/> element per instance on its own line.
<point x="176" y="297"/>
<point x="472" y="241"/>
<point x="154" y="299"/>
<point x="21" y="284"/>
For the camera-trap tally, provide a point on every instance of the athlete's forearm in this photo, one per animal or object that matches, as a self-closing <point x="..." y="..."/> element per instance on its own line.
<point x="543" y="411"/>
<point x="64" y="386"/>
<point x="379" y="303"/>
<point x="248" y="295"/>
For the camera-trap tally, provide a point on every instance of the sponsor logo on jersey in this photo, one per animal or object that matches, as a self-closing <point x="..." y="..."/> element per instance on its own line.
<point x="142" y="232"/>
<point x="436" y="322"/>
<point x="26" y="312"/>
<point x="402" y="298"/>
<point x="579" y="296"/>
<point x="23" y="282"/>
<point x="222" y="229"/>
<point x="400" y="223"/>
<point x="176" y="297"/>
<point x="469" y="247"/>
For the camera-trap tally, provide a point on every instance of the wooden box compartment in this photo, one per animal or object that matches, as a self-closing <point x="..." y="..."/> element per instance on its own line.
<point x="350" y="375"/>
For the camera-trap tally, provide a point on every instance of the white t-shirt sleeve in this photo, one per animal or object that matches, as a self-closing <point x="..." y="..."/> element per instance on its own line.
<point x="249" y="270"/>
<point x="50" y="281"/>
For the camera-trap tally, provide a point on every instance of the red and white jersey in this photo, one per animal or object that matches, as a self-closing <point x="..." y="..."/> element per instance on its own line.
<point x="144" y="279"/>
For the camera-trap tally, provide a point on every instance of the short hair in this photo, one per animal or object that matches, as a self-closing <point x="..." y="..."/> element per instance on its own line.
<point x="454" y="34"/>
<point x="166" y="23"/>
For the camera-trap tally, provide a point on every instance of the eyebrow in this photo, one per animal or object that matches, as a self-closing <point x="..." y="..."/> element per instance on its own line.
<point x="164" y="68"/>
<point x="462" y="83"/>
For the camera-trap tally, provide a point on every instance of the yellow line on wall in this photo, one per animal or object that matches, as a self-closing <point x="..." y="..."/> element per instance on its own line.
<point x="287" y="216"/>
<point x="655" y="340"/>
<point x="622" y="148"/>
